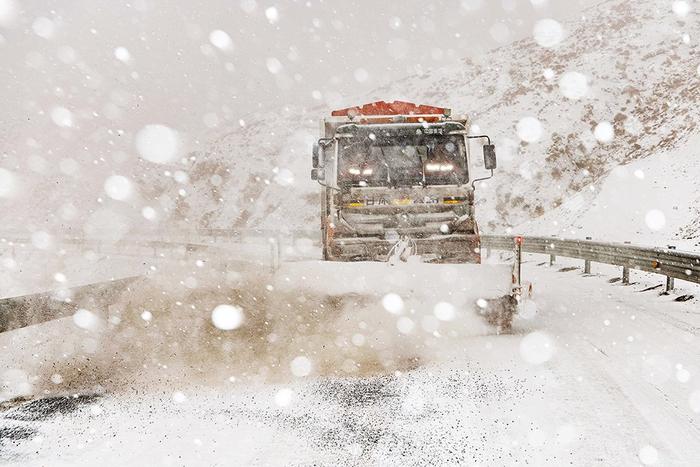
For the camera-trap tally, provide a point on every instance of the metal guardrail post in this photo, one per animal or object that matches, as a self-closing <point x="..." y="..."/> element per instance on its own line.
<point x="669" y="284"/>
<point x="669" y="280"/>
<point x="626" y="271"/>
<point x="552" y="256"/>
<point x="587" y="262"/>
<point x="276" y="256"/>
<point x="519" y="260"/>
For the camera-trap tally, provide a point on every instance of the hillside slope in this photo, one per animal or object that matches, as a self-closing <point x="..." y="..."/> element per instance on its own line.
<point x="640" y="76"/>
<point x="653" y="201"/>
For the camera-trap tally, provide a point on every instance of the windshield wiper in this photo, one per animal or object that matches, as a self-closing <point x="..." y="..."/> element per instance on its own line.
<point x="388" y="169"/>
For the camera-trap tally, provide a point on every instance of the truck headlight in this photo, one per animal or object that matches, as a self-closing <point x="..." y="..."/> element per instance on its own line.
<point x="439" y="167"/>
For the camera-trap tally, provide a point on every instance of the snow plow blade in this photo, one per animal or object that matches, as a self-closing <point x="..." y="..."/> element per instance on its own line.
<point x="445" y="249"/>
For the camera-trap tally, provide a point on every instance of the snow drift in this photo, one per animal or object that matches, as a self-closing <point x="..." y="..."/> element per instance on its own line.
<point x="309" y="318"/>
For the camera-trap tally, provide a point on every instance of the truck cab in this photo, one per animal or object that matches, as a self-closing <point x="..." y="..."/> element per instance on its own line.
<point x="397" y="174"/>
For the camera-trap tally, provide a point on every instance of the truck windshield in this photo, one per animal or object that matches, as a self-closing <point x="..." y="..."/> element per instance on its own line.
<point x="426" y="160"/>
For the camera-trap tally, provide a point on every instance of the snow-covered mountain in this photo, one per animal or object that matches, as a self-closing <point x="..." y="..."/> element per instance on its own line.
<point x="654" y="200"/>
<point x="630" y="64"/>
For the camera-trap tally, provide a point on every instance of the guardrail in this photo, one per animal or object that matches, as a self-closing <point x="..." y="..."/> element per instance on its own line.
<point x="672" y="263"/>
<point x="25" y="310"/>
<point x="210" y="236"/>
<point x="244" y="246"/>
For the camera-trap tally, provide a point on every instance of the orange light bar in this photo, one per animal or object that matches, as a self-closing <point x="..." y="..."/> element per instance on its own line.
<point x="391" y="108"/>
<point x="412" y="119"/>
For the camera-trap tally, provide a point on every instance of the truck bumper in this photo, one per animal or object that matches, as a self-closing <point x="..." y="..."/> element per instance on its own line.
<point x="453" y="248"/>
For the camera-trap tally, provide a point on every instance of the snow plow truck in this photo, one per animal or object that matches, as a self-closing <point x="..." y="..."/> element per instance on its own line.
<point x="396" y="182"/>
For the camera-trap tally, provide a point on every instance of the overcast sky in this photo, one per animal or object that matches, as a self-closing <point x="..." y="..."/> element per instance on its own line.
<point x="143" y="61"/>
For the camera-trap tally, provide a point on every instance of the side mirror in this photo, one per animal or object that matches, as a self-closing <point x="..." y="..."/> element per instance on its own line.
<point x="489" y="156"/>
<point x="315" y="156"/>
<point x="318" y="174"/>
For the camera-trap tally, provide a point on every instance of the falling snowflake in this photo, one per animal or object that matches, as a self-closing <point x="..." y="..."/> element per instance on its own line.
<point x="548" y="32"/>
<point x="536" y="348"/>
<point x="648" y="455"/>
<point x="284" y="397"/>
<point x="529" y="129"/>
<point x="300" y="366"/>
<point x="8" y="12"/>
<point x="604" y="132"/>
<point x="272" y="14"/>
<point x="85" y="319"/>
<point x="227" y="317"/>
<point x="274" y="66"/>
<point x="158" y="143"/>
<point x="694" y="401"/>
<point x="122" y="54"/>
<point x="681" y="8"/>
<point x="361" y="75"/>
<point x="148" y="213"/>
<point x="221" y="40"/>
<point x="8" y="183"/>
<point x="655" y="219"/>
<point x="43" y="27"/>
<point x="573" y="85"/>
<point x="118" y="187"/>
<point x="392" y="303"/>
<point x="405" y="325"/>
<point x="42" y="240"/>
<point x="444" y="311"/>
<point x="62" y="117"/>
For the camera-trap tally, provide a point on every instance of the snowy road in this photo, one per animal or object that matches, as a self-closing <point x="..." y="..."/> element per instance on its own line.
<point x="601" y="375"/>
